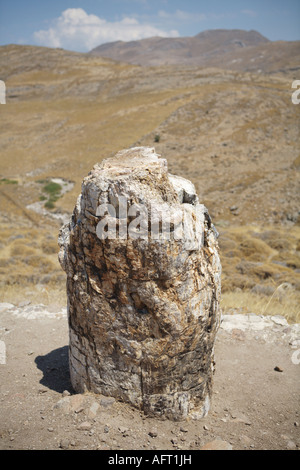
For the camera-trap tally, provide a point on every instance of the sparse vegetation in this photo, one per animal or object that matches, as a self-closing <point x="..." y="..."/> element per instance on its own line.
<point x="283" y="301"/>
<point x="8" y="181"/>
<point x="49" y="204"/>
<point x="52" y="188"/>
<point x="53" y="191"/>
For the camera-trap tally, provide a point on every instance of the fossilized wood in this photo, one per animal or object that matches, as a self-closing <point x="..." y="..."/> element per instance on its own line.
<point x="143" y="313"/>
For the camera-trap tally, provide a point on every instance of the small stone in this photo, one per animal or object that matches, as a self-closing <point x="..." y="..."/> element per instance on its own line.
<point x="64" y="444"/>
<point x="174" y="442"/>
<point x="278" y="369"/>
<point x="106" y="429"/>
<point x="182" y="429"/>
<point x="106" y="402"/>
<point x="296" y="424"/>
<point x="85" y="426"/>
<point x="205" y="428"/>
<point x="76" y="403"/>
<point x="279" y="320"/>
<point x="65" y="393"/>
<point x="153" y="433"/>
<point x="79" y="409"/>
<point x="241" y="418"/>
<point x="50" y="429"/>
<point x="123" y="431"/>
<point x="291" y="445"/>
<point x="217" y="445"/>
<point x="24" y="303"/>
<point x="63" y="405"/>
<point x="92" y="412"/>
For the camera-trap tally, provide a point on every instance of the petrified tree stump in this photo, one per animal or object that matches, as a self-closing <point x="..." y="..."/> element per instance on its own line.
<point x="143" y="285"/>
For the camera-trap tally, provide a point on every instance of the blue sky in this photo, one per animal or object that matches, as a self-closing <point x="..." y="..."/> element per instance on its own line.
<point x="81" y="25"/>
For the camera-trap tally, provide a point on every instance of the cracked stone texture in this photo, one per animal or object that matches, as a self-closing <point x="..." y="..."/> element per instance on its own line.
<point x="143" y="313"/>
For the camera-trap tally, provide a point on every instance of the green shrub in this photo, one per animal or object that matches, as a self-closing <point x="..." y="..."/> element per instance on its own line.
<point x="51" y="192"/>
<point x="8" y="181"/>
<point x="52" y="188"/>
<point x="49" y="204"/>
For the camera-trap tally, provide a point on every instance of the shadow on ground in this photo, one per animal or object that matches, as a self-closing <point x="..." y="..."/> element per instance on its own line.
<point x="55" y="367"/>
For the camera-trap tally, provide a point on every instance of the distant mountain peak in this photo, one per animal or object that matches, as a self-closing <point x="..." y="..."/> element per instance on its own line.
<point x="231" y="32"/>
<point x="234" y="49"/>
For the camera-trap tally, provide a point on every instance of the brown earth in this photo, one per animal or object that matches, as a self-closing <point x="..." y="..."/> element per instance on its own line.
<point x="254" y="407"/>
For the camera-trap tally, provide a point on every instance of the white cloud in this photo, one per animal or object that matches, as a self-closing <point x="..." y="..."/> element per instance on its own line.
<point x="77" y="30"/>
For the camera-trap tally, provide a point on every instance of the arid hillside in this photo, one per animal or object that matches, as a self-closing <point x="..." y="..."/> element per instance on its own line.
<point x="227" y="49"/>
<point x="233" y="133"/>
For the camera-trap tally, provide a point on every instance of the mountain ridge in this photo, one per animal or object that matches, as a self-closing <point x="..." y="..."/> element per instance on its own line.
<point x="228" y="49"/>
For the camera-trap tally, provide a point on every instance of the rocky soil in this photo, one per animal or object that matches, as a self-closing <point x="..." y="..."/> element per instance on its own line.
<point x="255" y="396"/>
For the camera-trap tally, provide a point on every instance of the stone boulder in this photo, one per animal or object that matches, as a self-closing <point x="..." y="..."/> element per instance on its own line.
<point x="143" y="286"/>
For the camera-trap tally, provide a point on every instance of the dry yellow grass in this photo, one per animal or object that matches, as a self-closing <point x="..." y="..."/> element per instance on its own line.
<point x="50" y="295"/>
<point x="283" y="301"/>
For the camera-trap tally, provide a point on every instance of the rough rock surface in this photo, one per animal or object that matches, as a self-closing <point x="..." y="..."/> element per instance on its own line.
<point x="143" y="307"/>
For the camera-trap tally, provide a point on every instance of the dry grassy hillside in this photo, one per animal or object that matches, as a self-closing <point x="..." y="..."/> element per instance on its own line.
<point x="234" y="134"/>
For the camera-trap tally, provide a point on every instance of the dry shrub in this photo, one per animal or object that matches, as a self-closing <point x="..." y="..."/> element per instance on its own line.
<point x="296" y="163"/>
<point x="42" y="263"/>
<point x="21" y="249"/>
<point x="226" y="243"/>
<point x="293" y="262"/>
<point x="280" y="244"/>
<point x="266" y="270"/>
<point x="4" y="262"/>
<point x="255" y="248"/>
<point x="49" y="247"/>
<point x="234" y="281"/>
<point x="234" y="255"/>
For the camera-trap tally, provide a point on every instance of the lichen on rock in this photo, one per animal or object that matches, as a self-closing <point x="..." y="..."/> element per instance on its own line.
<point x="143" y="284"/>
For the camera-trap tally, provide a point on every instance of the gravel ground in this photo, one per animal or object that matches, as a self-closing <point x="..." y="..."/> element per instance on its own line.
<point x="255" y="401"/>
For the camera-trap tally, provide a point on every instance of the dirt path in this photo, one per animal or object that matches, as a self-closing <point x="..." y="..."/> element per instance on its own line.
<point x="253" y="407"/>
